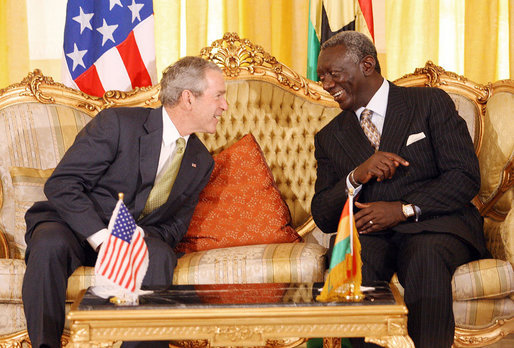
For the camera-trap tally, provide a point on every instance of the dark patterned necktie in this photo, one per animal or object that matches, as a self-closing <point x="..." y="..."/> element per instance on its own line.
<point x="370" y="129"/>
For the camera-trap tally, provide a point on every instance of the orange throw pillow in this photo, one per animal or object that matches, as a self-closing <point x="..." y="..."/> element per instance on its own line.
<point x="241" y="204"/>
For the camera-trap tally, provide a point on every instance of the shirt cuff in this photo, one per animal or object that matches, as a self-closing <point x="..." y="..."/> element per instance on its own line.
<point x="98" y="238"/>
<point x="418" y="212"/>
<point x="349" y="185"/>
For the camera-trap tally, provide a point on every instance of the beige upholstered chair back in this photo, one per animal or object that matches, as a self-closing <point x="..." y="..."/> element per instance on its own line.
<point x="488" y="111"/>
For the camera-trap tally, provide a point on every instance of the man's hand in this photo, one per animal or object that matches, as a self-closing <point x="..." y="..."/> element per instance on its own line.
<point x="381" y="165"/>
<point x="378" y="216"/>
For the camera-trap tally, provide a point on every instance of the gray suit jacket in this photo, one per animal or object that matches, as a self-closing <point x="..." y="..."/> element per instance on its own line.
<point x="118" y="151"/>
<point x="442" y="178"/>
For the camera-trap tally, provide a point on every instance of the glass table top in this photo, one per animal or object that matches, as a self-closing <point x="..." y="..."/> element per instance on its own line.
<point x="238" y="295"/>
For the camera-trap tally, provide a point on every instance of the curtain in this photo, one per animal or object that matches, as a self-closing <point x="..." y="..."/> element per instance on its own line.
<point x="14" y="47"/>
<point x="185" y="27"/>
<point x="469" y="37"/>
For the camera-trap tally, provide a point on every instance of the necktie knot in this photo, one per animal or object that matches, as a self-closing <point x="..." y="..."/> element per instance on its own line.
<point x="181" y="145"/>
<point x="366" y="115"/>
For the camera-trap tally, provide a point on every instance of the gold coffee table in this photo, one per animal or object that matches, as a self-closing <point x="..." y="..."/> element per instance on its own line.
<point x="241" y="315"/>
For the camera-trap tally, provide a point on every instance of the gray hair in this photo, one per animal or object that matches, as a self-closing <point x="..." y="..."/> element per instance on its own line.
<point x="187" y="73"/>
<point x="358" y="46"/>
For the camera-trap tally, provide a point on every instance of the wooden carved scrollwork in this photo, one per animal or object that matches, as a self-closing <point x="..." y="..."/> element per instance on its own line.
<point x="237" y="56"/>
<point x="436" y="76"/>
<point x="33" y="81"/>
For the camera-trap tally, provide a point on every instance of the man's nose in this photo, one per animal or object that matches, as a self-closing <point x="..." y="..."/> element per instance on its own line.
<point x="327" y="82"/>
<point x="224" y="103"/>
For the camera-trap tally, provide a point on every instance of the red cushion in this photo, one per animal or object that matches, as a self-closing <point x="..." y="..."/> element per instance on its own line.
<point x="241" y="204"/>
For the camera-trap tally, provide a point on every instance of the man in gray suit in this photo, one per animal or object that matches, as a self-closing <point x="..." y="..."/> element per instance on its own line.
<point x="121" y="150"/>
<point x="409" y="157"/>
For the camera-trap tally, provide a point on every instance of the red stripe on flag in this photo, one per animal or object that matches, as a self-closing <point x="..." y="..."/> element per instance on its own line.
<point x="367" y="10"/>
<point x="116" y="258"/>
<point x="89" y="82"/>
<point x="107" y="246"/>
<point x="128" y="267"/>
<point x="136" y="271"/>
<point x="140" y="256"/>
<point x="134" y="64"/>
<point x="112" y="245"/>
<point x="130" y="283"/>
<point x="122" y="266"/>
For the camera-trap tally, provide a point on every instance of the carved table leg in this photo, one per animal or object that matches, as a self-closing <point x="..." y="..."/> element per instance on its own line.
<point x="331" y="342"/>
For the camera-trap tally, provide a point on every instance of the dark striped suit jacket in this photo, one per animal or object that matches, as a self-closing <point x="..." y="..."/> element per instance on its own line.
<point x="442" y="178"/>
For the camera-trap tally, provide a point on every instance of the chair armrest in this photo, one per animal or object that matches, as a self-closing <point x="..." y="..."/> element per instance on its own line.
<point x="4" y="247"/>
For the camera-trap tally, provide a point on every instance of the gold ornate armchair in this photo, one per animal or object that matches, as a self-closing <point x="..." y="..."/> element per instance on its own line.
<point x="483" y="291"/>
<point x="39" y="119"/>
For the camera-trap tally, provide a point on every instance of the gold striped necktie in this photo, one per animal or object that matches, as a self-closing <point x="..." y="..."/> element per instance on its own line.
<point x="370" y="129"/>
<point x="162" y="187"/>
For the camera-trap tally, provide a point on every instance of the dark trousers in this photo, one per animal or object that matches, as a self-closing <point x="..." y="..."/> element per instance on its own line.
<point x="425" y="263"/>
<point x="53" y="254"/>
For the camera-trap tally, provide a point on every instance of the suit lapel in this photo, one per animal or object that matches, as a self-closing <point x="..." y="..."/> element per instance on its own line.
<point x="149" y="149"/>
<point x="397" y="121"/>
<point x="188" y="168"/>
<point x="352" y="138"/>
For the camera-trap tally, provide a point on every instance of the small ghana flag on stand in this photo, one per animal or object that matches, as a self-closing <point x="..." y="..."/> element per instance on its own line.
<point x="329" y="17"/>
<point x="345" y="275"/>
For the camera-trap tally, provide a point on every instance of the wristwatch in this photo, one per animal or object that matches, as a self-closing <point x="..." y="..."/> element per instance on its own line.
<point x="408" y="210"/>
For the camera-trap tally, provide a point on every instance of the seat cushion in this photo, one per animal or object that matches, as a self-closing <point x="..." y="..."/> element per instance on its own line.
<point x="476" y="314"/>
<point x="264" y="263"/>
<point x="483" y="279"/>
<point x="11" y="280"/>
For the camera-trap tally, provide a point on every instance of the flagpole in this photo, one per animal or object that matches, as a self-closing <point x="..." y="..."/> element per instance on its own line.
<point x="352" y="221"/>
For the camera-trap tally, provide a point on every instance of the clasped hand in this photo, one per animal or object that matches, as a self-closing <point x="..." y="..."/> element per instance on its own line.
<point x="378" y="216"/>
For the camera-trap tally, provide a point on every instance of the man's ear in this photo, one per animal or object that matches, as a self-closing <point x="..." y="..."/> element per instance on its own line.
<point x="187" y="98"/>
<point x="368" y="65"/>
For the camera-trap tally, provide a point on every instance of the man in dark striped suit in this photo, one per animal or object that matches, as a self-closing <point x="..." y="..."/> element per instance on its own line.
<point x="410" y="158"/>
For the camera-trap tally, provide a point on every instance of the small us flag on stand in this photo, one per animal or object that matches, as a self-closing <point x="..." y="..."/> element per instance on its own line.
<point x="123" y="258"/>
<point x="109" y="45"/>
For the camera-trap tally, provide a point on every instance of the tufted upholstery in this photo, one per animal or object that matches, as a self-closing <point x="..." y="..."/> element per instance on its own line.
<point x="40" y="118"/>
<point x="283" y="125"/>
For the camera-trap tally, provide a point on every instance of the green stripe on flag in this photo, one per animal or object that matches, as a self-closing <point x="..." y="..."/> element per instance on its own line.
<point x="340" y="251"/>
<point x="313" y="46"/>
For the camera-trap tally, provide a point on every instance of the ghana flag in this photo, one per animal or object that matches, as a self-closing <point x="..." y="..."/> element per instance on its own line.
<point x="344" y="278"/>
<point x="329" y="17"/>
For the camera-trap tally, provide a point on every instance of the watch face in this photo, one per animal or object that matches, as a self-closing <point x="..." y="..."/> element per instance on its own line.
<point x="408" y="210"/>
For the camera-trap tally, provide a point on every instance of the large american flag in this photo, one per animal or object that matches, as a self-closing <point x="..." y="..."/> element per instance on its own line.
<point x="123" y="259"/>
<point x="109" y="45"/>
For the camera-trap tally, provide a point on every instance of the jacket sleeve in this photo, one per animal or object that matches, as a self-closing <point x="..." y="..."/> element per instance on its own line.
<point x="330" y="190"/>
<point x="81" y="167"/>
